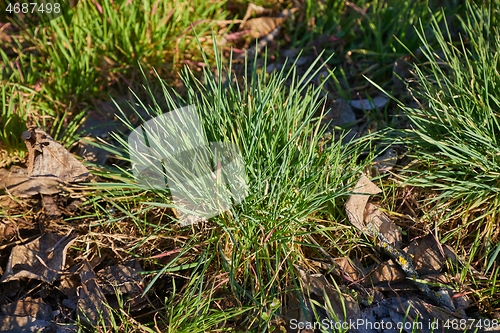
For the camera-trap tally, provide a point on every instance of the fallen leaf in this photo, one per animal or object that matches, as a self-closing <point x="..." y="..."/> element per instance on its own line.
<point x="253" y="9"/>
<point x="293" y="310"/>
<point x="351" y="267"/>
<point x="126" y="281"/>
<point x="262" y="26"/>
<point x="317" y="287"/>
<point x="385" y="273"/>
<point x="427" y="261"/>
<point x="50" y="166"/>
<point x="68" y="285"/>
<point x="29" y="307"/>
<point x="48" y="158"/>
<point x="91" y="301"/>
<point x="423" y="312"/>
<point x="17" y="182"/>
<point x="50" y="206"/>
<point x="42" y="259"/>
<point x="8" y="231"/>
<point x="367" y="217"/>
<point x="383" y="224"/>
<point x="17" y="324"/>
<point x="427" y="258"/>
<point x="263" y="42"/>
<point x="355" y="206"/>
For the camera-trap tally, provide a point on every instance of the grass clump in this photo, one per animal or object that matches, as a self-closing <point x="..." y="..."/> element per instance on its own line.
<point x="292" y="184"/>
<point x="454" y="139"/>
<point x="457" y="126"/>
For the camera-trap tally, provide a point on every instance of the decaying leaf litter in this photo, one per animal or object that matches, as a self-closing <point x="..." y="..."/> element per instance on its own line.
<point x="396" y="288"/>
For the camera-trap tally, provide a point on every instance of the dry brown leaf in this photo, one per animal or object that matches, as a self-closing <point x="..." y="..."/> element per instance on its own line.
<point x="427" y="258"/>
<point x="48" y="158"/>
<point x="29" y="307"/>
<point x="126" y="281"/>
<point x="316" y="286"/>
<point x="355" y="206"/>
<point x="351" y="267"/>
<point x="367" y="217"/>
<point x="262" y="26"/>
<point x="42" y="259"/>
<point x="17" y="183"/>
<point x="50" y="206"/>
<point x="17" y="324"/>
<point x="404" y="284"/>
<point x="68" y="284"/>
<point x="8" y="231"/>
<point x="253" y="9"/>
<point x="387" y="272"/>
<point x="383" y="224"/>
<point x="292" y="310"/>
<point x="49" y="166"/>
<point x="425" y="313"/>
<point x="427" y="261"/>
<point x="91" y="302"/>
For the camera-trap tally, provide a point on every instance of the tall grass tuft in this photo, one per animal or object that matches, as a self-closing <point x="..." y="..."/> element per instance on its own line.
<point x="271" y="119"/>
<point x="454" y="135"/>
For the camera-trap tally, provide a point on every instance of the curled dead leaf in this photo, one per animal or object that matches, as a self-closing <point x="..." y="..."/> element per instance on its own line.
<point x="383" y="224"/>
<point x="42" y="259"/>
<point x="317" y="287"/>
<point x="91" y="301"/>
<point x="355" y="206"/>
<point x="48" y="158"/>
<point x="126" y="281"/>
<point x="262" y="26"/>
<point x="427" y="257"/>
<point x="31" y="307"/>
<point x="18" y="183"/>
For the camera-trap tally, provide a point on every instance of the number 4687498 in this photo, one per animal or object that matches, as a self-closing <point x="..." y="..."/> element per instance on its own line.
<point x="33" y="7"/>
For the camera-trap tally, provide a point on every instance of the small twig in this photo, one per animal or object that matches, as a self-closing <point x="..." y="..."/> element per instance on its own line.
<point x="405" y="262"/>
<point x="17" y="242"/>
<point x="60" y="241"/>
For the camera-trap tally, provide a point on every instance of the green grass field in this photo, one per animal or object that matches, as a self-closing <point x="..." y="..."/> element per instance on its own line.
<point x="418" y="81"/>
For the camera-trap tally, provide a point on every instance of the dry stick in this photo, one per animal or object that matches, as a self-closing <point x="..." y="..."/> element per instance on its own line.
<point x="2" y="247"/>
<point x="405" y="262"/>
